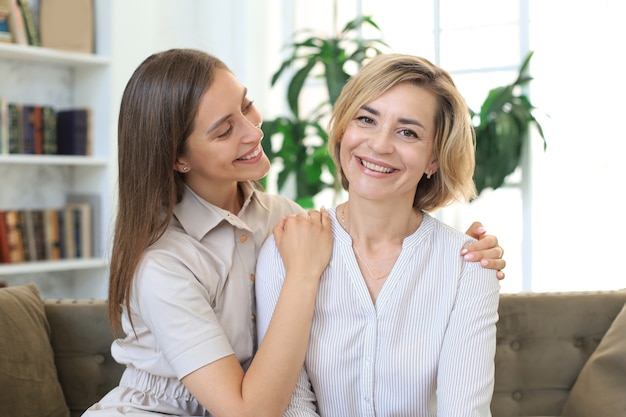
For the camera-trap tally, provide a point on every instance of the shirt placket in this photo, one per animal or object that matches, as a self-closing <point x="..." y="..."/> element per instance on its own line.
<point x="369" y="358"/>
<point x="246" y="249"/>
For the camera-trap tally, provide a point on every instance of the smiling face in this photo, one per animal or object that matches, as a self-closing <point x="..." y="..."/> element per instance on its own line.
<point x="388" y="145"/>
<point x="225" y="144"/>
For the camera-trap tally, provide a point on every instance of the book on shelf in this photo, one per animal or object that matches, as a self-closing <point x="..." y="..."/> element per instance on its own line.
<point x="17" y="25"/>
<point x="40" y="243"/>
<point x="15" y="122"/>
<point x="49" y="129"/>
<point x="61" y="219"/>
<point x="69" y="237"/>
<point x="67" y="25"/>
<point x="14" y="236"/>
<point x="74" y="131"/>
<point x="4" y="239"/>
<point x="28" y="130"/>
<point x="38" y="129"/>
<point x="27" y="229"/>
<point x="32" y="33"/>
<point x="80" y="215"/>
<point x="5" y="31"/>
<point x="4" y="126"/>
<point x="94" y="203"/>
<point x="51" y="237"/>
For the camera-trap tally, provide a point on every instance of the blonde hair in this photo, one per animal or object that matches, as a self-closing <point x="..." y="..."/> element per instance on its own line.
<point x="454" y="141"/>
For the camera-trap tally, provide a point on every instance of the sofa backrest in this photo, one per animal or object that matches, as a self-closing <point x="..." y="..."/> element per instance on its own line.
<point x="81" y="340"/>
<point x="543" y="341"/>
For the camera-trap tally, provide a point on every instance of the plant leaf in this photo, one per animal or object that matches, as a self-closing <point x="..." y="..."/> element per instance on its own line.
<point x="295" y="86"/>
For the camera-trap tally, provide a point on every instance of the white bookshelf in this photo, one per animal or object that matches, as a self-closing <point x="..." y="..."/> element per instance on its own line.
<point x="41" y="76"/>
<point x="62" y="160"/>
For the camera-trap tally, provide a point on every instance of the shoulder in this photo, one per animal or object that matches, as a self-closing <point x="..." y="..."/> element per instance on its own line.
<point x="277" y="203"/>
<point x="446" y="234"/>
<point x="269" y="250"/>
<point x="174" y="254"/>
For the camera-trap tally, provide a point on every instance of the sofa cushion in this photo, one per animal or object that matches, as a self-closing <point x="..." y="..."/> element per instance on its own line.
<point x="600" y="389"/>
<point x="28" y="378"/>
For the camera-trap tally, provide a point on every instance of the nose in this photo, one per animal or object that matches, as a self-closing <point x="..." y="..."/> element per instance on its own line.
<point x="253" y="127"/>
<point x="380" y="142"/>
<point x="253" y="133"/>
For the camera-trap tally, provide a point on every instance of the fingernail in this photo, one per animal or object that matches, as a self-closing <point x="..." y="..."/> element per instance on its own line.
<point x="469" y="257"/>
<point x="464" y="251"/>
<point x="481" y="230"/>
<point x="484" y="262"/>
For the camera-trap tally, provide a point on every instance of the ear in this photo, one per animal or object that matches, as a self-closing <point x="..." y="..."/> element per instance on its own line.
<point x="431" y="168"/>
<point x="181" y="166"/>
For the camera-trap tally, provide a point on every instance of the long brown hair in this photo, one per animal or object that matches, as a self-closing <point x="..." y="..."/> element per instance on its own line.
<point x="157" y="114"/>
<point x="454" y="145"/>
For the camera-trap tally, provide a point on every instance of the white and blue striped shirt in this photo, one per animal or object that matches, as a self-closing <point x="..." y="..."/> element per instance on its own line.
<point x="426" y="348"/>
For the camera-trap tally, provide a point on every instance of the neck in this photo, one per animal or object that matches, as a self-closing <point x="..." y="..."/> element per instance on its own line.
<point x="369" y="225"/>
<point x="229" y="197"/>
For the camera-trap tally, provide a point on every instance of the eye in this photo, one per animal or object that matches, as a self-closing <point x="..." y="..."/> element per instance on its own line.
<point x="246" y="109"/>
<point x="226" y="133"/>
<point x="408" y="134"/>
<point x="365" y="120"/>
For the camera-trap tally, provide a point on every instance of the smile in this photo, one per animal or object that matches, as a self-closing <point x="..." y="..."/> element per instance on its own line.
<point x="256" y="152"/>
<point x="377" y="168"/>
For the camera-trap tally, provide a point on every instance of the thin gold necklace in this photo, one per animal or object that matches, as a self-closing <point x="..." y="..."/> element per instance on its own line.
<point x="356" y="250"/>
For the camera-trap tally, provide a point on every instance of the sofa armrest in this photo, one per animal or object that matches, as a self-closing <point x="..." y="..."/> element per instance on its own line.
<point x="81" y="339"/>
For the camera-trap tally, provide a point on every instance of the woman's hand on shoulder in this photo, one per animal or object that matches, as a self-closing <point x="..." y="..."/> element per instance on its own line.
<point x="486" y="250"/>
<point x="305" y="242"/>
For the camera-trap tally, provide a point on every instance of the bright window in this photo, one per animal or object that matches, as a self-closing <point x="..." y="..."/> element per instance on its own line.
<point x="560" y="218"/>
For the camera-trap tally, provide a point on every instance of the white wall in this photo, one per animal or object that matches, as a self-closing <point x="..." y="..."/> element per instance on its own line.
<point x="577" y="183"/>
<point x="236" y="31"/>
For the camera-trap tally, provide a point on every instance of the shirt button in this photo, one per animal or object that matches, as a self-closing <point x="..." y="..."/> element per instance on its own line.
<point x="243" y="238"/>
<point x="251" y="277"/>
<point x="253" y="317"/>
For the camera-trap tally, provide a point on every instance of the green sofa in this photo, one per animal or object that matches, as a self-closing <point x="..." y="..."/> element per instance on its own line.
<point x="543" y="342"/>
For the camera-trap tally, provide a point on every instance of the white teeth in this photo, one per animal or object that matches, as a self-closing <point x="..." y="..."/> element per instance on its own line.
<point x="376" y="168"/>
<point x="252" y="155"/>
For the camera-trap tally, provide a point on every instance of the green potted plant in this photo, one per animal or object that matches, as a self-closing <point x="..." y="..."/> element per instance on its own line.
<point x="303" y="138"/>
<point x="501" y="126"/>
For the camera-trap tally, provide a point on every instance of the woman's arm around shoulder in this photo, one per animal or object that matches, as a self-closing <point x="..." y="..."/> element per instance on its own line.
<point x="304" y="242"/>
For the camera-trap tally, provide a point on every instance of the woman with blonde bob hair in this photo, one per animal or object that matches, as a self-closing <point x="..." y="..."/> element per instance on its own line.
<point x="454" y="134"/>
<point x="402" y="325"/>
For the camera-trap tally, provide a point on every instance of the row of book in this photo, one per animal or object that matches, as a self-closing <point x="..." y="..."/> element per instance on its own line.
<point x="43" y="130"/>
<point x="46" y="234"/>
<point x="60" y="24"/>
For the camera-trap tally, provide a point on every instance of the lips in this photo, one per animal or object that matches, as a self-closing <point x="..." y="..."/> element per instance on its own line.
<point x="251" y="155"/>
<point x="376" y="168"/>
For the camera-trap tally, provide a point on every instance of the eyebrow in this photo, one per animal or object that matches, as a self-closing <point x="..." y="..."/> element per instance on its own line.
<point x="228" y="116"/>
<point x="401" y="120"/>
